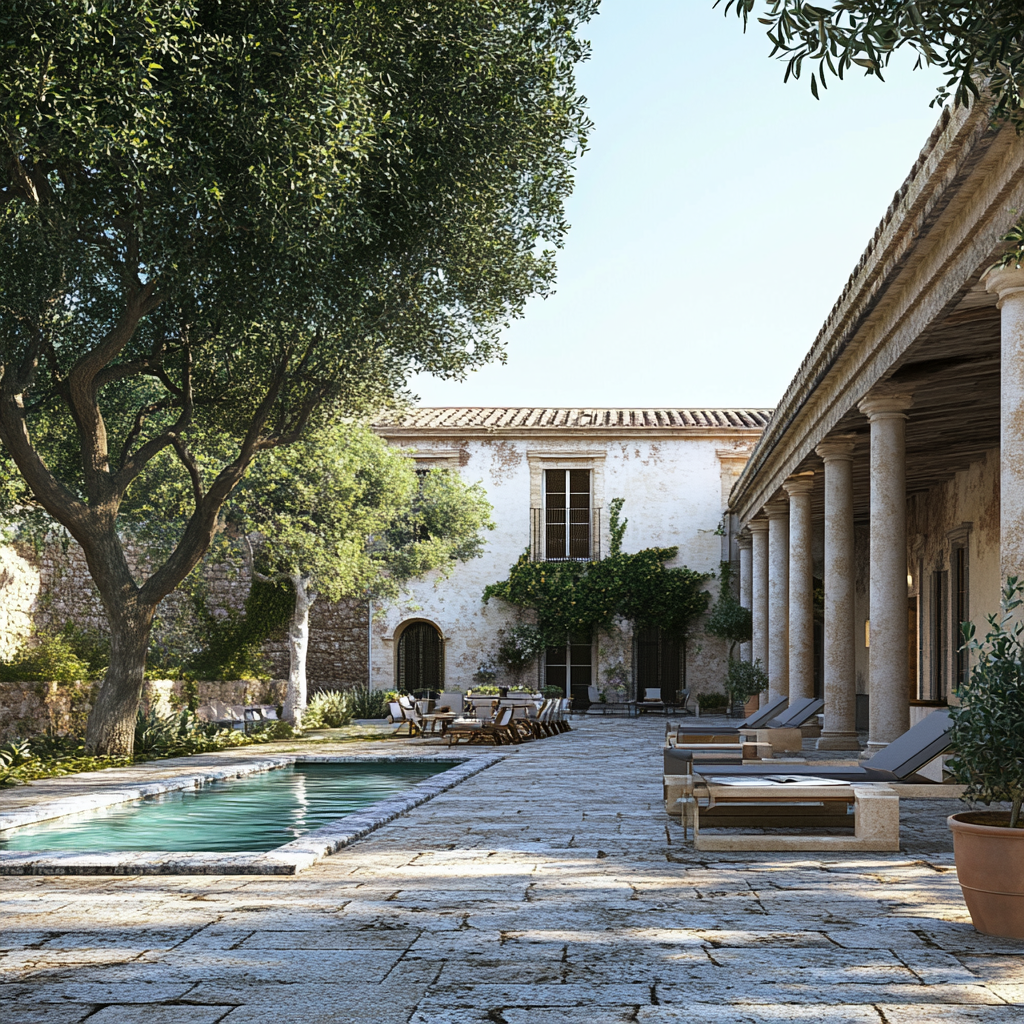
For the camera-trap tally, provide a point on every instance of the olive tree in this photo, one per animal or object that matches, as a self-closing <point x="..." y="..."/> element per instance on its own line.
<point x="221" y="223"/>
<point x="341" y="513"/>
<point x="977" y="43"/>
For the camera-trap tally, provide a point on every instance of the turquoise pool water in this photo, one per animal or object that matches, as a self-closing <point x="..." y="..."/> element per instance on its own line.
<point x="259" y="812"/>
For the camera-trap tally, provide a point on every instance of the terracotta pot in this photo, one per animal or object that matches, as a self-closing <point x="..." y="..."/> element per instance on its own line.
<point x="990" y="866"/>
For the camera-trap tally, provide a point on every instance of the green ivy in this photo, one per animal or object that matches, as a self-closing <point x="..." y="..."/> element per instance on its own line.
<point x="233" y="642"/>
<point x="579" y="597"/>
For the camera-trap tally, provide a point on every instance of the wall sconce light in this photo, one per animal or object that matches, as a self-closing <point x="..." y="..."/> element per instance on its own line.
<point x="867" y="632"/>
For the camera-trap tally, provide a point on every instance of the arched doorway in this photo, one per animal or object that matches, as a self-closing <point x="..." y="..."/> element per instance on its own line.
<point x="420" y="658"/>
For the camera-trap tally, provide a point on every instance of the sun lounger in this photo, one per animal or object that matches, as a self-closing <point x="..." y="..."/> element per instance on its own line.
<point x="758" y="720"/>
<point x="898" y="762"/>
<point x="794" y="716"/>
<point x="870" y="812"/>
<point x="784" y="733"/>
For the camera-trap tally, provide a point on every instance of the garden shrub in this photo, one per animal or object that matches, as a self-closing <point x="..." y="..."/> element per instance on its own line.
<point x="707" y="701"/>
<point x="51" y="658"/>
<point x="367" y="703"/>
<point x="328" y="710"/>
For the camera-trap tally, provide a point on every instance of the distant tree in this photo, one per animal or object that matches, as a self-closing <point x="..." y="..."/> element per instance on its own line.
<point x="728" y="620"/>
<point x="977" y="43"/>
<point x="342" y="513"/>
<point x="223" y="222"/>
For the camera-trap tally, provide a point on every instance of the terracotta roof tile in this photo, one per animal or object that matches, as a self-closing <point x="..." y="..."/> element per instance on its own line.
<point x="496" y="418"/>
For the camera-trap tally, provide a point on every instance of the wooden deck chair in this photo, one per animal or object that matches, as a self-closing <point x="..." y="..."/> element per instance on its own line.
<point x="561" y="715"/>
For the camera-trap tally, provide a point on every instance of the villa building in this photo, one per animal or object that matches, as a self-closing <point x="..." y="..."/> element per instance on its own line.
<point x="550" y="475"/>
<point x="884" y="502"/>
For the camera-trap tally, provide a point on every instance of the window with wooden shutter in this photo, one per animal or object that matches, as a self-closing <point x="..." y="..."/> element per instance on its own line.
<point x="567" y="518"/>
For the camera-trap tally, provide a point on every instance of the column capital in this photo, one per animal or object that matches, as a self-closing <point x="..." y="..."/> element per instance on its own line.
<point x="744" y="540"/>
<point x="1004" y="282"/>
<point x="837" y="447"/>
<point x="778" y="509"/>
<point x="801" y="484"/>
<point x="757" y="526"/>
<point x="886" y="404"/>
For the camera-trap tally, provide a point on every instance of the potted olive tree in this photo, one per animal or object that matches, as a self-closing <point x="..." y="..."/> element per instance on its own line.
<point x="518" y="647"/>
<point x="988" y="737"/>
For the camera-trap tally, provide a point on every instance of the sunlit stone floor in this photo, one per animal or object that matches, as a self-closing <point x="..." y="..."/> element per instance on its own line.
<point x="550" y="888"/>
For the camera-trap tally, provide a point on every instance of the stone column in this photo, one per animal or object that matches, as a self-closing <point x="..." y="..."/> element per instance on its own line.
<point x="801" y="588"/>
<point x="887" y="656"/>
<point x="746" y="584"/>
<point x="840" y="732"/>
<point x="778" y="598"/>
<point x="759" y="593"/>
<point x="1008" y="284"/>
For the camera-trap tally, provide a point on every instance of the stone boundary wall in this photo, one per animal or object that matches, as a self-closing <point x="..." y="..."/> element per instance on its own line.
<point x="29" y="709"/>
<point x="47" y="589"/>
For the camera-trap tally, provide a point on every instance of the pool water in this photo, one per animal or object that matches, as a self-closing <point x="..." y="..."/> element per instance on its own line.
<point x="259" y="812"/>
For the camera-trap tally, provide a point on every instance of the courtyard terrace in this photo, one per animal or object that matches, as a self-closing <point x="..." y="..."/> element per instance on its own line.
<point x="550" y="887"/>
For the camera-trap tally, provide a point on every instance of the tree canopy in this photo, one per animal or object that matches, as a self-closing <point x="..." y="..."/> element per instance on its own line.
<point x="341" y="513"/>
<point x="220" y="222"/>
<point x="977" y="44"/>
<point x="348" y="513"/>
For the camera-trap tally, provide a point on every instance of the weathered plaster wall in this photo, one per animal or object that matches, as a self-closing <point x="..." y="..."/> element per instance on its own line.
<point x="673" y="492"/>
<point x="971" y="497"/>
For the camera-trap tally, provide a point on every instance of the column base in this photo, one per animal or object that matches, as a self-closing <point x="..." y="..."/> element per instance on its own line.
<point x="838" y="741"/>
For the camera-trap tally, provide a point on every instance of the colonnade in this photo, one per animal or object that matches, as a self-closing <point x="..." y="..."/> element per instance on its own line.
<point x="778" y="576"/>
<point x="776" y="572"/>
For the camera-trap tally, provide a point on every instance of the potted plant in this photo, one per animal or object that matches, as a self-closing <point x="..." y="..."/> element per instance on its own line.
<point x="988" y="737"/>
<point x="518" y="646"/>
<point x="745" y="680"/>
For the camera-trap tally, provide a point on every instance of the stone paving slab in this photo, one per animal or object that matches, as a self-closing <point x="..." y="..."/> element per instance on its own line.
<point x="550" y="889"/>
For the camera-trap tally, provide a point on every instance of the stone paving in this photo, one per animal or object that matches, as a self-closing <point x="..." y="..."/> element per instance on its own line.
<point x="549" y="888"/>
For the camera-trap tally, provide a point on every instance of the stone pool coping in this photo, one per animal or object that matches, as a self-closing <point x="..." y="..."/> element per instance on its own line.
<point x="289" y="859"/>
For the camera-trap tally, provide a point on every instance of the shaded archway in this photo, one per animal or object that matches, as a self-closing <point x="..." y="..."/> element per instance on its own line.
<point x="420" y="658"/>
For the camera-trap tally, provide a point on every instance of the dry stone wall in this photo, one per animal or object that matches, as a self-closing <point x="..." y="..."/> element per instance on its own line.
<point x="29" y="709"/>
<point x="52" y="587"/>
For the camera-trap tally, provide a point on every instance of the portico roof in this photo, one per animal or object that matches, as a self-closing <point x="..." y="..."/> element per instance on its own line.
<point x="914" y="316"/>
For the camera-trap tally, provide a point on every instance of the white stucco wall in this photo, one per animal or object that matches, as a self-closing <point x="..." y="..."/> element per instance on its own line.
<point x="673" y="493"/>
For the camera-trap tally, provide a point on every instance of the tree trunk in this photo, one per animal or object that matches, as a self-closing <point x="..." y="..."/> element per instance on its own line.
<point x="111" y="727"/>
<point x="298" y="644"/>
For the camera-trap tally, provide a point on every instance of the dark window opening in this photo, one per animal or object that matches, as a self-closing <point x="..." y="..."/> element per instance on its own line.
<point x="961" y="613"/>
<point x="660" y="660"/>
<point x="420" y="659"/>
<point x="567" y="514"/>
<point x="570" y="667"/>
<point x="936" y="689"/>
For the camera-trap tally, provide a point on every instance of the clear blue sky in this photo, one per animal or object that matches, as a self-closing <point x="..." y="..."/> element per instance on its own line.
<point x="714" y="222"/>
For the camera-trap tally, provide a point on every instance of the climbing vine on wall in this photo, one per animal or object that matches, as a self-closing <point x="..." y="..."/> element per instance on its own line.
<point x="578" y="597"/>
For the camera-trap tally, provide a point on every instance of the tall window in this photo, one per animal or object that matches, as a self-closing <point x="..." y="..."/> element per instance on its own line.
<point x="940" y="638"/>
<point x="569" y="666"/>
<point x="960" y="601"/>
<point x="567" y="514"/>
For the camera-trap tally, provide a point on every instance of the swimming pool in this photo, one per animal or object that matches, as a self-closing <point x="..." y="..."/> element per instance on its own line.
<point x="258" y="812"/>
